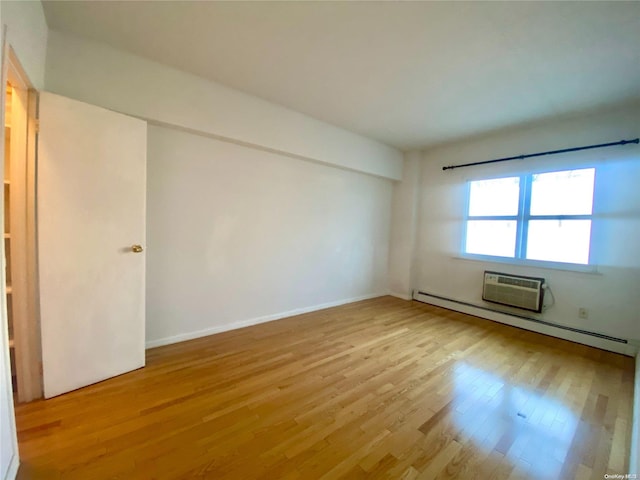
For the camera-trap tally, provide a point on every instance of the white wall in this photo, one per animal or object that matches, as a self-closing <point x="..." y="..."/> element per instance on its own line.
<point x="27" y="34"/>
<point x="404" y="222"/>
<point x="249" y="219"/>
<point x="101" y="75"/>
<point x="611" y="296"/>
<point x="236" y="235"/>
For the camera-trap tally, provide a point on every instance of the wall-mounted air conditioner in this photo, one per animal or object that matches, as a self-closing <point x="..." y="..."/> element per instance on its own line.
<point x="513" y="290"/>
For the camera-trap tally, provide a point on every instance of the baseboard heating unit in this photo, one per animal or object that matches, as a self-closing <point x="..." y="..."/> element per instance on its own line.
<point x="517" y="291"/>
<point x="418" y="293"/>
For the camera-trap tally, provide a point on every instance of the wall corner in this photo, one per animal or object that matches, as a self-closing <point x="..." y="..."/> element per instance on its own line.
<point x="404" y="219"/>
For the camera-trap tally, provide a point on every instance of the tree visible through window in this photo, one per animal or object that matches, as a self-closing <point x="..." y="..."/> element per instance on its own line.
<point x="544" y="216"/>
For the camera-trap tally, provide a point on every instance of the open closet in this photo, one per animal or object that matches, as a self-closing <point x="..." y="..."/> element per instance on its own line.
<point x="7" y="236"/>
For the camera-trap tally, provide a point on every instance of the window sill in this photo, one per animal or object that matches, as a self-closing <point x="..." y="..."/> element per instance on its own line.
<point x="567" y="267"/>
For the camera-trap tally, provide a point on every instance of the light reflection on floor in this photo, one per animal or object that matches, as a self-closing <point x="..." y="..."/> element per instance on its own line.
<point x="532" y="431"/>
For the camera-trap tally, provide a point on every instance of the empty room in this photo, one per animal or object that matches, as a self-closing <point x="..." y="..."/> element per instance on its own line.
<point x="307" y="239"/>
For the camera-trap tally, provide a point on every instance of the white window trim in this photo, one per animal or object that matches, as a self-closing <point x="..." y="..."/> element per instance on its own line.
<point x="522" y="218"/>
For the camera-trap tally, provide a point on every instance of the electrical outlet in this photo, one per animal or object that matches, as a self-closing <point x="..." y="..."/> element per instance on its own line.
<point x="583" y="313"/>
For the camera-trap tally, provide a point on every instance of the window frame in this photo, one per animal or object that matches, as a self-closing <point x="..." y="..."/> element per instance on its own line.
<point x="522" y="219"/>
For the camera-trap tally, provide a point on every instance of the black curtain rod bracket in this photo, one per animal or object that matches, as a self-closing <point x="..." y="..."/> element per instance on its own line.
<point x="550" y="152"/>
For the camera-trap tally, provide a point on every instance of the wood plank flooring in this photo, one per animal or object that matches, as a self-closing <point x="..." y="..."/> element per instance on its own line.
<point x="382" y="388"/>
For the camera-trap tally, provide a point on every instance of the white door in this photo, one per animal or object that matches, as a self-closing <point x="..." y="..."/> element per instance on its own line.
<point x="91" y="211"/>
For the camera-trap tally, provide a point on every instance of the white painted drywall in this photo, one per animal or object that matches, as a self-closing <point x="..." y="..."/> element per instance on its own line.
<point x="236" y="235"/>
<point x="611" y="296"/>
<point x="27" y="34"/>
<point x="98" y="74"/>
<point x="404" y="222"/>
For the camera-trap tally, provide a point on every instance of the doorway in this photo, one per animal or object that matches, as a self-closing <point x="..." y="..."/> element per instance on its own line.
<point x="20" y="132"/>
<point x="81" y="272"/>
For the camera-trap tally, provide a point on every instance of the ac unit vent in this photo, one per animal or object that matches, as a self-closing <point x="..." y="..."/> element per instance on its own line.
<point x="513" y="290"/>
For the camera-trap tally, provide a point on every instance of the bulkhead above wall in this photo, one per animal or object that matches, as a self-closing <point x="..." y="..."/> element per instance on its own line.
<point x="101" y="75"/>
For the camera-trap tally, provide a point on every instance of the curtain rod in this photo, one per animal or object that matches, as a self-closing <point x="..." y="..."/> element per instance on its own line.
<point x="550" y="152"/>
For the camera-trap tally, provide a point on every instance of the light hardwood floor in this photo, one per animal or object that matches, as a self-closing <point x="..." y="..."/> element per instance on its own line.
<point x="382" y="388"/>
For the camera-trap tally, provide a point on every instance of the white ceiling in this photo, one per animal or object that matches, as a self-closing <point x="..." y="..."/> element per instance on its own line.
<point x="410" y="74"/>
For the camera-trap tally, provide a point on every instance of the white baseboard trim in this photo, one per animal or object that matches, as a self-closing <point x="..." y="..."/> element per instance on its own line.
<point x="400" y="295"/>
<point x="602" y="343"/>
<point x="634" y="453"/>
<point x="254" y="321"/>
<point x="14" y="464"/>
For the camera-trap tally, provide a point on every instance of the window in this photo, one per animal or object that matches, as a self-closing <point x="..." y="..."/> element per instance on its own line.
<point x="543" y="216"/>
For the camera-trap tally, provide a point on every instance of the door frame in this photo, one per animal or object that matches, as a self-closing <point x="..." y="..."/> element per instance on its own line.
<point x="25" y="305"/>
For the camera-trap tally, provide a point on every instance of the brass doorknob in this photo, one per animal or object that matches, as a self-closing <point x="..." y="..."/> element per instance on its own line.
<point x="136" y="248"/>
